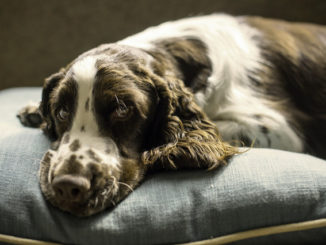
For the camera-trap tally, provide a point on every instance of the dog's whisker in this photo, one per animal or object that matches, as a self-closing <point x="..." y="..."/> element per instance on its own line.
<point x="95" y="202"/>
<point x="126" y="185"/>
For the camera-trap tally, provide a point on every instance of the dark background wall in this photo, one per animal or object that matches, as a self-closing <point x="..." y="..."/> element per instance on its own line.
<point x="37" y="37"/>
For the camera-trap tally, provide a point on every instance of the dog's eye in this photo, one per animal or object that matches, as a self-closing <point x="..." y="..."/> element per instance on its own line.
<point x="62" y="114"/>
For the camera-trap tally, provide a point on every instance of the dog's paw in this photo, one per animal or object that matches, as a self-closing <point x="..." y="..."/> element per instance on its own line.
<point x="30" y="116"/>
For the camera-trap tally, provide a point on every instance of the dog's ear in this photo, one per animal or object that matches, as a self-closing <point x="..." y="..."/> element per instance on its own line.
<point x="45" y="108"/>
<point x="183" y="135"/>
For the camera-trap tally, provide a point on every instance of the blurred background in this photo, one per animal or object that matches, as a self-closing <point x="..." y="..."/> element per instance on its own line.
<point x="37" y="37"/>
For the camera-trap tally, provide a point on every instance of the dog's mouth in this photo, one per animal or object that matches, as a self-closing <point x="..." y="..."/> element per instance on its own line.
<point x="104" y="192"/>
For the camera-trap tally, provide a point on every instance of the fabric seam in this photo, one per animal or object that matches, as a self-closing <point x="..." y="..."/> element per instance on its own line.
<point x="261" y="232"/>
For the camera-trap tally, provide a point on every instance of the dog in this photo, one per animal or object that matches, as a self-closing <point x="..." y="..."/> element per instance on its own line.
<point x="181" y="95"/>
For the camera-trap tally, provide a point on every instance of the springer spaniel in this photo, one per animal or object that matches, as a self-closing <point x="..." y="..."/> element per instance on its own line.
<point x="171" y="97"/>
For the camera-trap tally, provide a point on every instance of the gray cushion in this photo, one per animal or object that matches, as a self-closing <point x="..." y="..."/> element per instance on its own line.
<point x="259" y="188"/>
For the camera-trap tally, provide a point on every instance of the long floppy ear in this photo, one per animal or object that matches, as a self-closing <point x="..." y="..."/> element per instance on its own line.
<point x="49" y="85"/>
<point x="185" y="137"/>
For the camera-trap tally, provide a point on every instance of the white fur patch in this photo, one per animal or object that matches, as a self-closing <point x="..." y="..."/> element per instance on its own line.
<point x="84" y="72"/>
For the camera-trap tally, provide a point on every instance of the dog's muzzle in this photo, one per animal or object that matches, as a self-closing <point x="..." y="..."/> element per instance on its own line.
<point x="80" y="179"/>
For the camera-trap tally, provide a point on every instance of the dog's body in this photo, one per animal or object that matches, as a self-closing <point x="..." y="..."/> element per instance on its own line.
<point x="144" y="101"/>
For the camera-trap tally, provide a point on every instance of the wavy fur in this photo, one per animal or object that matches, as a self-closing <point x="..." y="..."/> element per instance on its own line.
<point x="186" y="138"/>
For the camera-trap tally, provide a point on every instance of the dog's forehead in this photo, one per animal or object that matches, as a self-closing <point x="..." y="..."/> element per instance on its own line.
<point x="115" y="53"/>
<point x="84" y="70"/>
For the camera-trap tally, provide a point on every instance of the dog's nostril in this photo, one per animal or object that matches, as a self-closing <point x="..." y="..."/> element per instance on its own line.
<point x="70" y="187"/>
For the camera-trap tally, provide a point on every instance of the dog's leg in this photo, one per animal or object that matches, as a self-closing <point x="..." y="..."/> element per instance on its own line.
<point x="30" y="115"/>
<point x="259" y="135"/>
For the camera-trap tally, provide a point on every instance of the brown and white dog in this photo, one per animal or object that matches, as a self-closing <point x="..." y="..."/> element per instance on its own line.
<point x="166" y="97"/>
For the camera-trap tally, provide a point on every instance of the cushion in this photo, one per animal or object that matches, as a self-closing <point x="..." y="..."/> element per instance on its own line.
<point x="262" y="196"/>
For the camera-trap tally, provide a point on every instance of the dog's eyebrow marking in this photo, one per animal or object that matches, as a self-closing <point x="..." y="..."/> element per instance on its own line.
<point x="87" y="104"/>
<point x="75" y="145"/>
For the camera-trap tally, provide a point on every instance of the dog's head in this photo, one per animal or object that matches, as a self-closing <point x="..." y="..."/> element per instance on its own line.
<point x="114" y="112"/>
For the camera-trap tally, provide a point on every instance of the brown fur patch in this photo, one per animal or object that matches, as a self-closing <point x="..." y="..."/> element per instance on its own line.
<point x="186" y="57"/>
<point x="292" y="39"/>
<point x="66" y="138"/>
<point x="92" y="155"/>
<point x="186" y="137"/>
<point x="71" y="166"/>
<point x="75" y="145"/>
<point x="131" y="175"/>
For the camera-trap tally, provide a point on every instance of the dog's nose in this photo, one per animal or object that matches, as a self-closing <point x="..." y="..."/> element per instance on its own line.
<point x="70" y="187"/>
